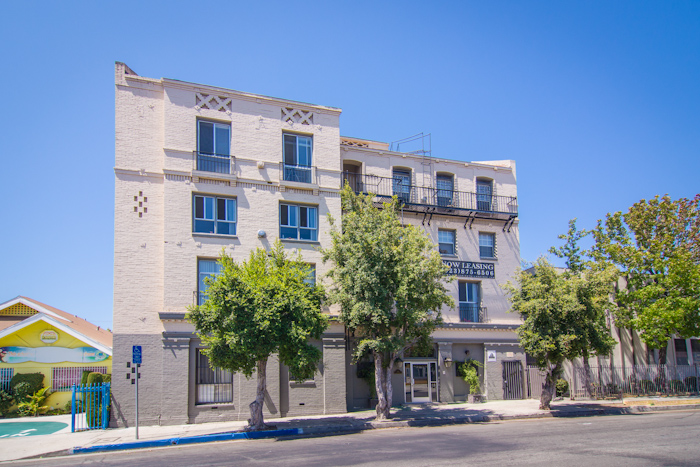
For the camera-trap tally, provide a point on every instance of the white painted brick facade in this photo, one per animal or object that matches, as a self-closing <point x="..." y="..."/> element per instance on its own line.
<point x="156" y="251"/>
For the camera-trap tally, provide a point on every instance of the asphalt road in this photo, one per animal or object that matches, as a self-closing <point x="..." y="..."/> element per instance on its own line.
<point x="671" y="438"/>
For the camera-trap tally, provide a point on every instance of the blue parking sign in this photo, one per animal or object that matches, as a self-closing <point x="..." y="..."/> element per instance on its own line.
<point x="136" y="354"/>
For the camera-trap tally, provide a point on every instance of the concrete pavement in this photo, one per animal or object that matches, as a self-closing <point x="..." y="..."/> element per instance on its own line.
<point x="63" y="442"/>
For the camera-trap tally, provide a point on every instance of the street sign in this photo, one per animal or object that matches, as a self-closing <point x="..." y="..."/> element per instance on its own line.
<point x="136" y="354"/>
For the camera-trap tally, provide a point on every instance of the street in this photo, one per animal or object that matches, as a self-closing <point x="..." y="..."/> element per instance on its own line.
<point x="646" y="439"/>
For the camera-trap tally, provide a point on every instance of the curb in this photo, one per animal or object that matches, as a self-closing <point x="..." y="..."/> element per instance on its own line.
<point x="187" y="440"/>
<point x="366" y="426"/>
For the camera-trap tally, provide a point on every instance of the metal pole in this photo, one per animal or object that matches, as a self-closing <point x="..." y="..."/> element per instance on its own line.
<point x="72" y="416"/>
<point x="137" y="399"/>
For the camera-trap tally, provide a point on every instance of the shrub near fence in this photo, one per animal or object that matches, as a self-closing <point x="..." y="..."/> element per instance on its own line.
<point x="638" y="380"/>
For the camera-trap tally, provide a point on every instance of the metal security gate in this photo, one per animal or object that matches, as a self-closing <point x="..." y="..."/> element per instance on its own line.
<point x="512" y="380"/>
<point x="90" y="407"/>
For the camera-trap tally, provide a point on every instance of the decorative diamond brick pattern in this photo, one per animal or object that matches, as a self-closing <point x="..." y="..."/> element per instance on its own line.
<point x="291" y="115"/>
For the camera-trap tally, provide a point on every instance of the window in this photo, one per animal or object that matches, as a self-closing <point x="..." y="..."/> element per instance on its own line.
<point x="62" y="379"/>
<point x="311" y="278"/>
<point x="446" y="242"/>
<point x="487" y="245"/>
<point x="402" y="184"/>
<point x="214" y="215"/>
<point x="445" y="188"/>
<point x="470" y="302"/>
<point x="214" y="385"/>
<point x="297" y="158"/>
<point x="695" y="349"/>
<point x="298" y="222"/>
<point x="207" y="268"/>
<point x="213" y="147"/>
<point x="484" y="194"/>
<point x="6" y="375"/>
<point x="681" y="352"/>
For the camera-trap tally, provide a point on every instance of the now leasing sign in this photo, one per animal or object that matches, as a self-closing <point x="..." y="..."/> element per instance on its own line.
<point x="470" y="269"/>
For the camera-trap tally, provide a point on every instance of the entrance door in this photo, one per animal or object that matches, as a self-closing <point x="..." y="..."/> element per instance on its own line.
<point x="512" y="380"/>
<point x="420" y="381"/>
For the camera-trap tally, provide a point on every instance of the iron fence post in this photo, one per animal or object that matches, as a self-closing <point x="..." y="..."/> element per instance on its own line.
<point x="72" y="411"/>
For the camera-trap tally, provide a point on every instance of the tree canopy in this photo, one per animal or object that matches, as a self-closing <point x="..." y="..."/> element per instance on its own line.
<point x="257" y="308"/>
<point x="389" y="282"/>
<point x="563" y="311"/>
<point x="656" y="245"/>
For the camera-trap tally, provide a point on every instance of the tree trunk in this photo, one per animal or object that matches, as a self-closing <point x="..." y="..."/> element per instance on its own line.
<point x="586" y="374"/>
<point x="383" y="407"/>
<point x="256" y="422"/>
<point x="549" y="386"/>
<point x="389" y="388"/>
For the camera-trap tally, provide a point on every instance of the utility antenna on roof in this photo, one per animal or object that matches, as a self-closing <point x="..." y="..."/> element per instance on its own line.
<point x="419" y="144"/>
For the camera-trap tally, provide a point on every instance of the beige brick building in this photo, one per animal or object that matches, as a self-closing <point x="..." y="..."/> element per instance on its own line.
<point x="199" y="169"/>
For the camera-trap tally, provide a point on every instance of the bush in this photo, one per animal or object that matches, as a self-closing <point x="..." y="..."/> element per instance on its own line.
<point x="470" y="372"/>
<point x="562" y="387"/>
<point x="34" y="380"/>
<point x="677" y="385"/>
<point x="32" y="405"/>
<point x="691" y="383"/>
<point x="21" y="391"/>
<point x="6" y="400"/>
<point x="93" y="403"/>
<point x="646" y="386"/>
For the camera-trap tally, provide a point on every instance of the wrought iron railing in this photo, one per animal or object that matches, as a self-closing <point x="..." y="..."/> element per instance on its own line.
<point x="472" y="313"/>
<point x="298" y="173"/>
<point x="217" y="163"/>
<point x="637" y="380"/>
<point x="426" y="196"/>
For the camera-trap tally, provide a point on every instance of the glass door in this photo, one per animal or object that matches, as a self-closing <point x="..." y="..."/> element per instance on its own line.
<point x="420" y="381"/>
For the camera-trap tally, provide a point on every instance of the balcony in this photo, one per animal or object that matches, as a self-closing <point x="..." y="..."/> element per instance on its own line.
<point x="472" y="313"/>
<point x="216" y="163"/>
<point x="304" y="174"/>
<point x="435" y="200"/>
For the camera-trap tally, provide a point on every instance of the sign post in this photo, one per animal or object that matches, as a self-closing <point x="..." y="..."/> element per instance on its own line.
<point x="136" y="359"/>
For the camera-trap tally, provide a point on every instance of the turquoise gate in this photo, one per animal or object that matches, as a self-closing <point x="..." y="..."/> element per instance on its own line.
<point x="90" y="407"/>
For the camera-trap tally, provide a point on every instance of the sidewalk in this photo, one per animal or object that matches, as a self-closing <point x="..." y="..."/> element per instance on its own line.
<point x="62" y="442"/>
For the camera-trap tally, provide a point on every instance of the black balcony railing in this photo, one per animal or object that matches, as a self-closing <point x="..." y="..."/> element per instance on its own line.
<point x="218" y="163"/>
<point x="472" y="313"/>
<point x="443" y="200"/>
<point x="297" y="173"/>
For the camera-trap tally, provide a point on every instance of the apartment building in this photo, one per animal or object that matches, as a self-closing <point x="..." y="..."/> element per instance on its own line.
<point x="201" y="169"/>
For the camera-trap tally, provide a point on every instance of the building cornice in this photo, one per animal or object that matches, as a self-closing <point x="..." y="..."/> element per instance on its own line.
<point x="245" y="96"/>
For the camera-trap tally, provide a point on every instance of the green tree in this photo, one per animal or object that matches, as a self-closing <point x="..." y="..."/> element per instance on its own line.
<point x="594" y="285"/>
<point x="656" y="245"/>
<point x="389" y="282"/>
<point x="563" y="317"/>
<point x="258" y="308"/>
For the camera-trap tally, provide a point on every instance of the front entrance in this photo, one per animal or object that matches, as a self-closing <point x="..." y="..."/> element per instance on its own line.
<point x="512" y="380"/>
<point x="420" y="382"/>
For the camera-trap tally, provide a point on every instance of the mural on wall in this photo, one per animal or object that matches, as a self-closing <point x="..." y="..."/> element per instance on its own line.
<point x="51" y="355"/>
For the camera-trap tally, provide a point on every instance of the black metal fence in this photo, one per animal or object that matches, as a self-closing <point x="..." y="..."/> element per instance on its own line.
<point x="615" y="382"/>
<point x="439" y="197"/>
<point x="217" y="163"/>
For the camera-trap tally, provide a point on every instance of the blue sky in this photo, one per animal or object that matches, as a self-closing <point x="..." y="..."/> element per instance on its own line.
<point x="598" y="103"/>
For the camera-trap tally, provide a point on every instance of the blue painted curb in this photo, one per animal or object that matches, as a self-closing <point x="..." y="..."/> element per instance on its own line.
<point x="188" y="440"/>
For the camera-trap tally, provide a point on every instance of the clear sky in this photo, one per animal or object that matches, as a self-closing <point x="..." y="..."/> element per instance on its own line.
<point x="598" y="102"/>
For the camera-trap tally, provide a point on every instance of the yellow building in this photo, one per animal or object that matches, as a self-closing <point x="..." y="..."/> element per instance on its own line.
<point x="38" y="338"/>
